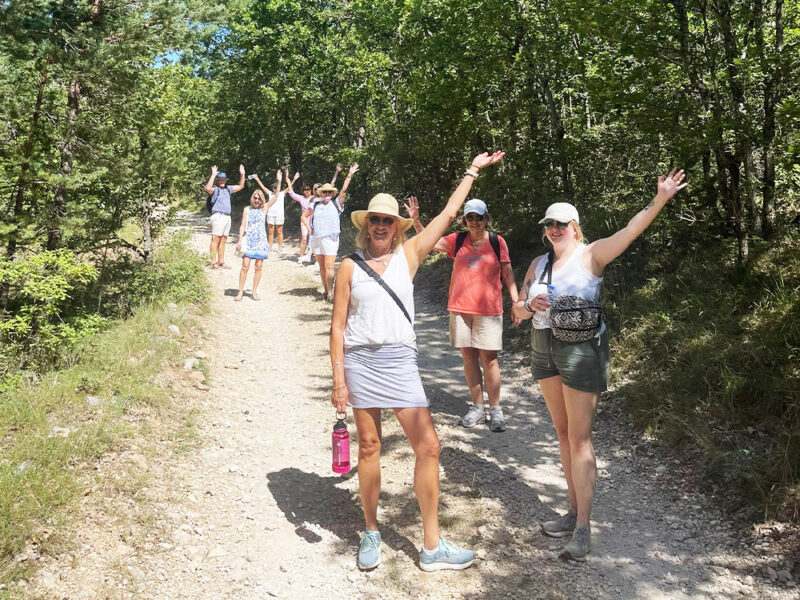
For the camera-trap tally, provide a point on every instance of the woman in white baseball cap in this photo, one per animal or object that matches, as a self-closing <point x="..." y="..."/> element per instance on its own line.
<point x="481" y="264"/>
<point x="572" y="375"/>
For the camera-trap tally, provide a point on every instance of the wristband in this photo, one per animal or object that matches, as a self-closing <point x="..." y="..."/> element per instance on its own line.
<point x="526" y="306"/>
<point x="471" y="172"/>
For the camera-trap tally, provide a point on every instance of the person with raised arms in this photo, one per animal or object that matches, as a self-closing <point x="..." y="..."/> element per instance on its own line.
<point x="220" y="220"/>
<point x="572" y="371"/>
<point x="253" y="236"/>
<point x="324" y="228"/>
<point x="373" y="352"/>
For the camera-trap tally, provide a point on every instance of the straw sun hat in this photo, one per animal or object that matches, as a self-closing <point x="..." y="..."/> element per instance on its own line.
<point x="381" y="204"/>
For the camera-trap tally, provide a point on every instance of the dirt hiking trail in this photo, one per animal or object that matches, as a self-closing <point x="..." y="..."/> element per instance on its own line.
<point x="252" y="509"/>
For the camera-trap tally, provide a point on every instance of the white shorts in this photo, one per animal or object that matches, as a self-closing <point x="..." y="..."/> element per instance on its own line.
<point x="324" y="246"/>
<point x="303" y="230"/>
<point x="275" y="220"/>
<point x="220" y="224"/>
<point x="476" y="331"/>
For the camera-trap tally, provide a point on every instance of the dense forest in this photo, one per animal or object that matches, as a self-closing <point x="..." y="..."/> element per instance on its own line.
<point x="113" y="111"/>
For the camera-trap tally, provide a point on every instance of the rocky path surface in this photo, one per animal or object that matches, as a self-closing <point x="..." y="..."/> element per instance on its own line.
<point x="253" y="511"/>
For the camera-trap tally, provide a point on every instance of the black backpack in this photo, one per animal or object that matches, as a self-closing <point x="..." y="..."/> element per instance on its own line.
<point x="493" y="240"/>
<point x="211" y="200"/>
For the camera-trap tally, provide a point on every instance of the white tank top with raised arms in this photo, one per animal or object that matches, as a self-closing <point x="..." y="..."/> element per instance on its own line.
<point x="572" y="279"/>
<point x="374" y="317"/>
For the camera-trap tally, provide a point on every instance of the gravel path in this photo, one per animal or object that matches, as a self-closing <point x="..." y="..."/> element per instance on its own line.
<point x="253" y="510"/>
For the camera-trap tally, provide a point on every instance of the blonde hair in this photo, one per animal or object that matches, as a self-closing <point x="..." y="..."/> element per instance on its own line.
<point x="253" y="197"/>
<point x="362" y="241"/>
<point x="578" y="234"/>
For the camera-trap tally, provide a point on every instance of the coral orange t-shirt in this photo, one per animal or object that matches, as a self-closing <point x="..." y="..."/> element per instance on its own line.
<point x="475" y="286"/>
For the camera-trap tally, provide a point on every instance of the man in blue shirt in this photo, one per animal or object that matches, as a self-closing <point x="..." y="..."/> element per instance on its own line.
<point x="221" y="214"/>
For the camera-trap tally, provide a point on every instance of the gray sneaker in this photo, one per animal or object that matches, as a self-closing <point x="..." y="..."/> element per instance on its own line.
<point x="560" y="527"/>
<point x="369" y="550"/>
<point x="473" y="417"/>
<point x="579" y="546"/>
<point x="496" y="422"/>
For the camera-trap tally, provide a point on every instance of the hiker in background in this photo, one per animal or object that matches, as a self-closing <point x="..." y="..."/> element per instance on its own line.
<point x="475" y="302"/>
<point x="253" y="237"/>
<point x="572" y="373"/>
<point x="276" y="216"/>
<point x="324" y="228"/>
<point x="304" y="201"/>
<point x="219" y="205"/>
<point x="374" y="360"/>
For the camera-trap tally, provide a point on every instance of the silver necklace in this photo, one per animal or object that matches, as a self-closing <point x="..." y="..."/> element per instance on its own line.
<point x="381" y="259"/>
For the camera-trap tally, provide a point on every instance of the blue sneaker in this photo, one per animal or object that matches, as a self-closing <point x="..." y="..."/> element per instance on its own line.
<point x="369" y="550"/>
<point x="446" y="556"/>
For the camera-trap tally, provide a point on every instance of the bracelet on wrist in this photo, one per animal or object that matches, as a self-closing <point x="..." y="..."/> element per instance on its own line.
<point x="472" y="173"/>
<point x="526" y="305"/>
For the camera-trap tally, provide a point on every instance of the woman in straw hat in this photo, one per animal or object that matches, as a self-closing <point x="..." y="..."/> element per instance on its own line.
<point x="572" y="375"/>
<point x="325" y="228"/>
<point x="374" y="360"/>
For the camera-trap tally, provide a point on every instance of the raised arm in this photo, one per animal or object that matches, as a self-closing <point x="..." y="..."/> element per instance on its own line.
<point x="240" y="186"/>
<point x="341" y="197"/>
<point x="292" y="194"/>
<point x="274" y="197"/>
<point x="421" y="244"/>
<point x="336" y="174"/>
<point x="412" y="208"/>
<point x="602" y="252"/>
<point x="210" y="182"/>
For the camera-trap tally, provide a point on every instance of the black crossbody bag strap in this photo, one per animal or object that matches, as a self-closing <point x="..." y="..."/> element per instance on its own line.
<point x="548" y="269"/>
<point x="371" y="272"/>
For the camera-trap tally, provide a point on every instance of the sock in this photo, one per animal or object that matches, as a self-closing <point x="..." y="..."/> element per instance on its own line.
<point x="429" y="552"/>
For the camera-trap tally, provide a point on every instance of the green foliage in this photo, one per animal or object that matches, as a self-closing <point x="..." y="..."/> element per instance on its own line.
<point x="707" y="354"/>
<point x="41" y="320"/>
<point x="175" y="275"/>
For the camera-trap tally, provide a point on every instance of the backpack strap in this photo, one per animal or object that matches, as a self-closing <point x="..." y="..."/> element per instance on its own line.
<point x="548" y="268"/>
<point x="372" y="273"/>
<point x="462" y="235"/>
<point x="493" y="240"/>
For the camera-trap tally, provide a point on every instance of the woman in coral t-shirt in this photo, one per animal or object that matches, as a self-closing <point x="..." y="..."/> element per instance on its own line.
<point x="475" y="302"/>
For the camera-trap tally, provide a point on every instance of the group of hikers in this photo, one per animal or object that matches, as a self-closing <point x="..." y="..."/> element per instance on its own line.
<point x="373" y="348"/>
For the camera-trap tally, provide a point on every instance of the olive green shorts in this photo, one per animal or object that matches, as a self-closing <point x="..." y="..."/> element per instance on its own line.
<point x="582" y="366"/>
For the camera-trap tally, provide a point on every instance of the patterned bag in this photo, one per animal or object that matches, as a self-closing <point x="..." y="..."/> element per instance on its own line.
<point x="574" y="319"/>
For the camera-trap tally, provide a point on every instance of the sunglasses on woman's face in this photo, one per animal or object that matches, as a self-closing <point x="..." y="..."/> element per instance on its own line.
<point x="378" y="220"/>
<point x="475" y="217"/>
<point x="550" y="223"/>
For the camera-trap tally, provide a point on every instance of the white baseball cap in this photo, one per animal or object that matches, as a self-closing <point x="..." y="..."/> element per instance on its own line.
<point x="561" y="211"/>
<point x="475" y="206"/>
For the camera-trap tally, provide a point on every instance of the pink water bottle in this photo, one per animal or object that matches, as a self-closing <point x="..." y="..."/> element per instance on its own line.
<point x="340" y="440"/>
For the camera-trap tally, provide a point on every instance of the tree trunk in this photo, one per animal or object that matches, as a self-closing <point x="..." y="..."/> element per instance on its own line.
<point x="27" y="150"/>
<point x="559" y="133"/>
<point x="772" y="87"/>
<point x="58" y="209"/>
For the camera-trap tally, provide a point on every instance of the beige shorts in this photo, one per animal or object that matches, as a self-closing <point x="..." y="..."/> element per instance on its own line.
<point x="476" y="331"/>
<point x="272" y="220"/>
<point x="220" y="224"/>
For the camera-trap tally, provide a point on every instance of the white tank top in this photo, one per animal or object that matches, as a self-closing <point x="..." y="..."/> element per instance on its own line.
<point x="374" y="317"/>
<point x="570" y="280"/>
